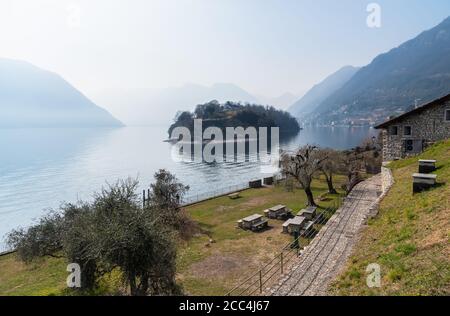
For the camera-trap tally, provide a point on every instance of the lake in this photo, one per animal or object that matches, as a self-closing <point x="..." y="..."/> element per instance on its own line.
<point x="41" y="168"/>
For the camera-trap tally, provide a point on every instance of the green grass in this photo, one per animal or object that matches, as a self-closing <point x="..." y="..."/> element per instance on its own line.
<point x="203" y="268"/>
<point x="42" y="277"/>
<point x="409" y="239"/>
<point x="214" y="269"/>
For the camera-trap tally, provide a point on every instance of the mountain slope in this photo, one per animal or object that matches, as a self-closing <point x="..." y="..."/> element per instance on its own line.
<point x="32" y="97"/>
<point x="416" y="71"/>
<point x="283" y="101"/>
<point x="320" y="92"/>
<point x="165" y="103"/>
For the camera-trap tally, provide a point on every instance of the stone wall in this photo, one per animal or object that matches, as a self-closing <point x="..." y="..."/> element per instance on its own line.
<point x="429" y="125"/>
<point x="387" y="181"/>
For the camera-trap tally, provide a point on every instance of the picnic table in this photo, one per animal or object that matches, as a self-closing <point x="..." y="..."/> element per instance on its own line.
<point x="277" y="212"/>
<point x="309" y="212"/>
<point x="294" y="225"/>
<point x="254" y="222"/>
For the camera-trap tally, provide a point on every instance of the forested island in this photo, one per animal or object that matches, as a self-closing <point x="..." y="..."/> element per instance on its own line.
<point x="234" y="114"/>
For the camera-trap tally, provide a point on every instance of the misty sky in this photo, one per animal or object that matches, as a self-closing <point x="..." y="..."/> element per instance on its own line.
<point x="268" y="47"/>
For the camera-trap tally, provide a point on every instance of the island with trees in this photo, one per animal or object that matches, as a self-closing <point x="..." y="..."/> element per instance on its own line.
<point x="234" y="114"/>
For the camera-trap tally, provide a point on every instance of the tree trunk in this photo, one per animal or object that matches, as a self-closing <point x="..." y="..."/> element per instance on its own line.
<point x="331" y="188"/>
<point x="133" y="287"/>
<point x="310" y="197"/>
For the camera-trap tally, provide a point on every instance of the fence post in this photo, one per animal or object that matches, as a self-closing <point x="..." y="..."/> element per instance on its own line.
<point x="260" y="281"/>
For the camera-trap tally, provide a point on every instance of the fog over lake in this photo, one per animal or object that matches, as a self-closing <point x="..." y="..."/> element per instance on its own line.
<point x="40" y="168"/>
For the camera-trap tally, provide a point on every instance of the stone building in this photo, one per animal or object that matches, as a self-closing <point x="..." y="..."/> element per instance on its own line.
<point x="409" y="133"/>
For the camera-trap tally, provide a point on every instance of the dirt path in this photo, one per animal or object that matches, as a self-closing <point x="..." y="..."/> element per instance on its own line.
<point x="327" y="254"/>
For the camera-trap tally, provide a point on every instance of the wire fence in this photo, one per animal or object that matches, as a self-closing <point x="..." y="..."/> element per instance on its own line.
<point x="258" y="281"/>
<point x="195" y="198"/>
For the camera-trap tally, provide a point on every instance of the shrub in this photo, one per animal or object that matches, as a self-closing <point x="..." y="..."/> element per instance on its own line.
<point x="112" y="232"/>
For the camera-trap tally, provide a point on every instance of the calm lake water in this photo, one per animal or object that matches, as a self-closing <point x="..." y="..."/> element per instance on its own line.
<point x="40" y="168"/>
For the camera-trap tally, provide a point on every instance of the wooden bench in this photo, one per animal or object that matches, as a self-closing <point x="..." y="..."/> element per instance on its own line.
<point x="234" y="196"/>
<point x="307" y="229"/>
<point x="309" y="213"/>
<point x="422" y="182"/>
<point x="427" y="166"/>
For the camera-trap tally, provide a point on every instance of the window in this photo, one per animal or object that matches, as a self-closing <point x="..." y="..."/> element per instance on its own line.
<point x="447" y="115"/>
<point x="393" y="130"/>
<point x="407" y="131"/>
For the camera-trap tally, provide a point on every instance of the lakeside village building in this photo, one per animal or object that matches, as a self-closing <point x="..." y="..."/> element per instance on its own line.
<point x="410" y="133"/>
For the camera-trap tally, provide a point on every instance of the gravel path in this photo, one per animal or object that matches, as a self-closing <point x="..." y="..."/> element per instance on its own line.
<point x="323" y="260"/>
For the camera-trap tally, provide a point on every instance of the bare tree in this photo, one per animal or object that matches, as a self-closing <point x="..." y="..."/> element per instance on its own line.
<point x="352" y="163"/>
<point x="330" y="166"/>
<point x="302" y="167"/>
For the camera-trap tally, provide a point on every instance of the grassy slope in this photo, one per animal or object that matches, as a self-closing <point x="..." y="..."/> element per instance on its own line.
<point x="207" y="270"/>
<point x="409" y="239"/>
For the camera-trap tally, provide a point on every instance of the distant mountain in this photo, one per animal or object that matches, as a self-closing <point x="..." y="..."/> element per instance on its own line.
<point x="320" y="92"/>
<point x="32" y="97"/>
<point x="160" y="107"/>
<point x="283" y="101"/>
<point x="416" y="72"/>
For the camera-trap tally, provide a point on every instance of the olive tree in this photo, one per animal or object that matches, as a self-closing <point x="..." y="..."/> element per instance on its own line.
<point x="67" y="233"/>
<point x="136" y="240"/>
<point x="166" y="195"/>
<point x="40" y="240"/>
<point x="302" y="166"/>
<point x="112" y="232"/>
<point x="330" y="166"/>
<point x="352" y="163"/>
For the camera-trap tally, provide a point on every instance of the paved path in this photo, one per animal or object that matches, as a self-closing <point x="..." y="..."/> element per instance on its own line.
<point x="327" y="254"/>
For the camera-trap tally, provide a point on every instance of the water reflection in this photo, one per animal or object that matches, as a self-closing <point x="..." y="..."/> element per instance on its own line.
<point x="40" y="168"/>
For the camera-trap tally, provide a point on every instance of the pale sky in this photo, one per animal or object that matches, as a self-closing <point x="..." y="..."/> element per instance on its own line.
<point x="267" y="47"/>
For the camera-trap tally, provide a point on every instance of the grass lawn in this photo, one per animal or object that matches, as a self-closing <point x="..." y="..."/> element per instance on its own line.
<point x="409" y="239"/>
<point x="215" y="268"/>
<point x="42" y="277"/>
<point x="204" y="268"/>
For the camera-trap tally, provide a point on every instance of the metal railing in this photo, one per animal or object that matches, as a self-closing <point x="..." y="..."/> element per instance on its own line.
<point x="195" y="198"/>
<point x="256" y="282"/>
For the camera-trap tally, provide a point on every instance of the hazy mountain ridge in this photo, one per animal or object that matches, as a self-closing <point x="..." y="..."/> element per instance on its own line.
<point x="179" y="99"/>
<point x="321" y="91"/>
<point x="417" y="71"/>
<point x="283" y="101"/>
<point x="32" y="97"/>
